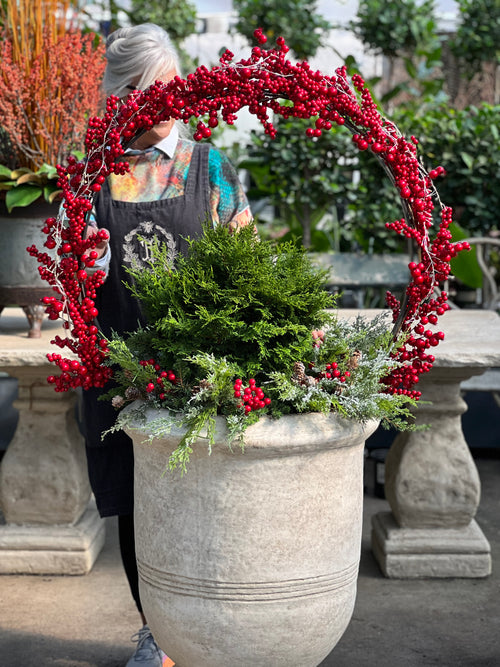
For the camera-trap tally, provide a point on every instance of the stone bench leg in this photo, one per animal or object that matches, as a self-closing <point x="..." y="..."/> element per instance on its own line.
<point x="51" y="525"/>
<point x="433" y="489"/>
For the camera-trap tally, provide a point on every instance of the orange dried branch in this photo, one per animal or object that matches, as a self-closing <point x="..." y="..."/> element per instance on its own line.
<point x="48" y="81"/>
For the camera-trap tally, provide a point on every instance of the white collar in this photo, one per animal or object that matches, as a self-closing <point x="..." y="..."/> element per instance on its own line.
<point x="169" y="144"/>
<point x="166" y="145"/>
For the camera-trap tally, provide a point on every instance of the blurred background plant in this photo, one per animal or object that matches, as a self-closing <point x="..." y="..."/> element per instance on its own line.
<point x="477" y="40"/>
<point x="321" y="191"/>
<point x="178" y="17"/>
<point x="405" y="32"/>
<point x="49" y="87"/>
<point x="333" y="197"/>
<point x="282" y="17"/>
<point x="304" y="182"/>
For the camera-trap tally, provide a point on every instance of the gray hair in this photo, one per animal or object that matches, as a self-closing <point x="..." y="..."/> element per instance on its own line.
<point x="142" y="54"/>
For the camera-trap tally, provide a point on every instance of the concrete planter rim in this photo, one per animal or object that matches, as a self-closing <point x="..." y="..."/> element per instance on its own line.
<point x="268" y="436"/>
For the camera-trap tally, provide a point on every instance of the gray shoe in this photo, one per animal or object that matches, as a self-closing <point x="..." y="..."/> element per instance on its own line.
<point x="147" y="652"/>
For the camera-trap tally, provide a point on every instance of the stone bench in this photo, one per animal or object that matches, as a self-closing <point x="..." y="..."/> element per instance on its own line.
<point x="360" y="273"/>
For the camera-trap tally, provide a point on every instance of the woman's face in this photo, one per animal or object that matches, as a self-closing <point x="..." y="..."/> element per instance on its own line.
<point x="157" y="132"/>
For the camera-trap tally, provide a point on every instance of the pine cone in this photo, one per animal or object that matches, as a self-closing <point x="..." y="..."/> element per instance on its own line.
<point x="299" y="375"/>
<point x="131" y="393"/>
<point x="353" y="362"/>
<point x="204" y="384"/>
<point x="118" y="401"/>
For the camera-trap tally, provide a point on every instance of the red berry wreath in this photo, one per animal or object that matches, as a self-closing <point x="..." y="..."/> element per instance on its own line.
<point x="261" y="83"/>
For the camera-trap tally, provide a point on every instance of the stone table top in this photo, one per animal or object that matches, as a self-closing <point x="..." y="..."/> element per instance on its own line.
<point x="16" y="349"/>
<point x="472" y="337"/>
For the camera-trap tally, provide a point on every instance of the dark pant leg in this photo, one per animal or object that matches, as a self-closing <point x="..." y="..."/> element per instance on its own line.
<point x="110" y="460"/>
<point x="127" y="550"/>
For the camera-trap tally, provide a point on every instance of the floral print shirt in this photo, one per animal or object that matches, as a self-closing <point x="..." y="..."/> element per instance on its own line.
<point x="160" y="172"/>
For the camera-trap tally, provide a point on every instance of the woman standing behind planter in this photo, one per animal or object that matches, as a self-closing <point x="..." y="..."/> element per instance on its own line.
<point x="173" y="185"/>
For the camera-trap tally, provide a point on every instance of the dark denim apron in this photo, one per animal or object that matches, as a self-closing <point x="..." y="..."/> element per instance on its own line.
<point x="111" y="461"/>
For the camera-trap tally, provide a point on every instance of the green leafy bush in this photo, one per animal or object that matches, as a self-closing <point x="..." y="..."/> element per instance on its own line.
<point x="395" y="27"/>
<point x="467" y="143"/>
<point x="478" y="35"/>
<point x="177" y="17"/>
<point x="280" y="18"/>
<point x="303" y="178"/>
<point x="294" y="170"/>
<point x="306" y="179"/>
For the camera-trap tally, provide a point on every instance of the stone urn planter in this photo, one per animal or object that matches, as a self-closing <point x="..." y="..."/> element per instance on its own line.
<point x="20" y="282"/>
<point x="251" y="558"/>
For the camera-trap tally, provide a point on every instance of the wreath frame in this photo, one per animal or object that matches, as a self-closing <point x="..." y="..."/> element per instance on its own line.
<point x="260" y="83"/>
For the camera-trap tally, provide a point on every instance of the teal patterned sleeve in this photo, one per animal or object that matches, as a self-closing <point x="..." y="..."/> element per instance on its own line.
<point x="228" y="201"/>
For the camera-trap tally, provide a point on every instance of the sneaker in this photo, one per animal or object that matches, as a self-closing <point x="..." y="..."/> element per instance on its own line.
<point x="147" y="652"/>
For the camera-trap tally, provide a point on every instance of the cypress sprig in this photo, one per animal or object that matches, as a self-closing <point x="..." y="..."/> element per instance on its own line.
<point x="236" y="297"/>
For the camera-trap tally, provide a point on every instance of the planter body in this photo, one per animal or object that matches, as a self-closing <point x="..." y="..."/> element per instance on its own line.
<point x="20" y="229"/>
<point x="20" y="282"/>
<point x="252" y="558"/>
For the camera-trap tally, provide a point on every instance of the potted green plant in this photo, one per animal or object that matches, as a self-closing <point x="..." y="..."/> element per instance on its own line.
<point x="48" y="89"/>
<point x="319" y="184"/>
<point x="246" y="381"/>
<point x="260" y="555"/>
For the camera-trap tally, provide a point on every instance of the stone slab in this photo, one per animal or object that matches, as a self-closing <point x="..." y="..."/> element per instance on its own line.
<point x="472" y="337"/>
<point x="412" y="553"/>
<point x="52" y="549"/>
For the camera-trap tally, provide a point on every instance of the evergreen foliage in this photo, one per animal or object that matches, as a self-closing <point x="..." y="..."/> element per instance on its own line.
<point x="233" y="296"/>
<point x="245" y="327"/>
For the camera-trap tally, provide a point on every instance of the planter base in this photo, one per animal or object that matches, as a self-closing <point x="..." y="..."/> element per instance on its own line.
<point x="44" y="549"/>
<point x="233" y="612"/>
<point x="411" y="553"/>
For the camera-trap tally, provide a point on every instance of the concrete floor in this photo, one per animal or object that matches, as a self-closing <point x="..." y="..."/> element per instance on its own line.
<point x="87" y="621"/>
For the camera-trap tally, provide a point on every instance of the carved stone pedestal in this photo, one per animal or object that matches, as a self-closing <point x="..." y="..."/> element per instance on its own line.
<point x="51" y="525"/>
<point x="52" y="549"/>
<point x="433" y="488"/>
<point x="431" y="480"/>
<point x="405" y="553"/>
